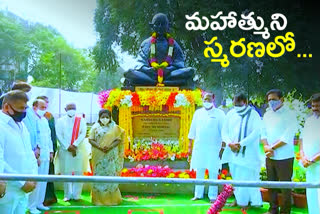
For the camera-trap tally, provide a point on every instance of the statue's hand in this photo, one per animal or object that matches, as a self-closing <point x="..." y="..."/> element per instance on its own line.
<point x="168" y="70"/>
<point x="146" y="69"/>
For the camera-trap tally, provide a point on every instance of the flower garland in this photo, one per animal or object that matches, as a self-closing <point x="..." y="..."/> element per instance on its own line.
<point x="153" y="61"/>
<point x="217" y="206"/>
<point x="117" y="97"/>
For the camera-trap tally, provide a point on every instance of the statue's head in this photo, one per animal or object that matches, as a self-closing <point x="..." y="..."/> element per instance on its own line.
<point x="160" y="24"/>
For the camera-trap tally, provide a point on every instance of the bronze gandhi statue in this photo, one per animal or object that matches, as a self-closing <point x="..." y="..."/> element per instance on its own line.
<point x="161" y="60"/>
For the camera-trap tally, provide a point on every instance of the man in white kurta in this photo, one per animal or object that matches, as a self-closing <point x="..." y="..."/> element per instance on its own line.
<point x="67" y="163"/>
<point x="310" y="154"/>
<point x="205" y="130"/>
<point x="46" y="154"/>
<point x="279" y="128"/>
<point x="241" y="133"/>
<point x="16" y="156"/>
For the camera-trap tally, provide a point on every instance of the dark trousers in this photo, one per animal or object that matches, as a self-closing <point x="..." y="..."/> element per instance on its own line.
<point x="279" y="170"/>
<point x="50" y="197"/>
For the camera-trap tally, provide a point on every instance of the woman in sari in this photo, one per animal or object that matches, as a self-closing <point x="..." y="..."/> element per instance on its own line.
<point x="107" y="158"/>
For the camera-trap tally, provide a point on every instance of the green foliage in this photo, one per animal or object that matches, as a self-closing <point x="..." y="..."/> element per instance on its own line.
<point x="41" y="52"/>
<point x="263" y="174"/>
<point x="299" y="175"/>
<point x="296" y="102"/>
<point x="126" y="23"/>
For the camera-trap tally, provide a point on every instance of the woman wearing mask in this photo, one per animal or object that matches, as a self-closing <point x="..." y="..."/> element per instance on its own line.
<point x="107" y="158"/>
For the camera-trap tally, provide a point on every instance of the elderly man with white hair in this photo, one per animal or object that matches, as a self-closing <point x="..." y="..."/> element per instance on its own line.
<point x="71" y="132"/>
<point x="205" y="130"/>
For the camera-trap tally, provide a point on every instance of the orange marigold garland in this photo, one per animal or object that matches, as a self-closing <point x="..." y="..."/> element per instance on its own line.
<point x="154" y="62"/>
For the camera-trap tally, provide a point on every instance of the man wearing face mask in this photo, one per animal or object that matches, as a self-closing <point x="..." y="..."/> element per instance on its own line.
<point x="71" y="131"/>
<point x="280" y="127"/>
<point x="310" y="153"/>
<point x="46" y="155"/>
<point x="30" y="119"/>
<point x="241" y="133"/>
<point x="16" y="156"/>
<point x="205" y="130"/>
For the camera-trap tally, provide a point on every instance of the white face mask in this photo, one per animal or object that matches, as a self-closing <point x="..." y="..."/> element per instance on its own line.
<point x="105" y="121"/>
<point x="41" y="112"/>
<point x="207" y="105"/>
<point x="71" y="113"/>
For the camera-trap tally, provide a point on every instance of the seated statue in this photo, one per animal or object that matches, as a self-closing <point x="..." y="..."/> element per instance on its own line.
<point x="161" y="60"/>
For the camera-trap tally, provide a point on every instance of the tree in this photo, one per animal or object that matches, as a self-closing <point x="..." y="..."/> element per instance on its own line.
<point x="41" y="52"/>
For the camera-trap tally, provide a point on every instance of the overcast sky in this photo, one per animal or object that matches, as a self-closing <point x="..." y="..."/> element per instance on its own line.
<point x="72" y="18"/>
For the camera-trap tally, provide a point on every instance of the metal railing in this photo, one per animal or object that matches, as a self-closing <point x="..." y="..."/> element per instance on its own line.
<point x="145" y="180"/>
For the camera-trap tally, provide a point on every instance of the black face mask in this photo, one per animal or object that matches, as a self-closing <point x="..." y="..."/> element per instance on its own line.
<point x="17" y="116"/>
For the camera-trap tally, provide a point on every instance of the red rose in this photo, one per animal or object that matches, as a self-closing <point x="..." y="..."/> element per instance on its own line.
<point x="171" y="41"/>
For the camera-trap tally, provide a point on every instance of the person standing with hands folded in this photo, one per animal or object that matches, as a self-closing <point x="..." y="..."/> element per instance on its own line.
<point x="310" y="153"/>
<point x="280" y="126"/>
<point x="16" y="154"/>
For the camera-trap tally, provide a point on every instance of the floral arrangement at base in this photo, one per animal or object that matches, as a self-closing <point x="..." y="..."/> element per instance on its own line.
<point x="156" y="171"/>
<point x="144" y="150"/>
<point x="181" y="98"/>
<point x="217" y="206"/>
<point x="224" y="175"/>
<point x="167" y="172"/>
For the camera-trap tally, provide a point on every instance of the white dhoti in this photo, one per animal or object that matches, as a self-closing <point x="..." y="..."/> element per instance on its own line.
<point x="199" y="189"/>
<point x="72" y="190"/>
<point x="37" y="196"/>
<point x="14" y="202"/>
<point x="244" y="195"/>
<point x="313" y="194"/>
<point x="68" y="165"/>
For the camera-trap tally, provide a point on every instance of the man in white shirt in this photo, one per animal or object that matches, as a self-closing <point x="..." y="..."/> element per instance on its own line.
<point x="205" y="130"/>
<point x="71" y="131"/>
<point x="30" y="119"/>
<point x="46" y="155"/>
<point x="310" y="153"/>
<point x="16" y="155"/>
<point x="280" y="127"/>
<point x="241" y="134"/>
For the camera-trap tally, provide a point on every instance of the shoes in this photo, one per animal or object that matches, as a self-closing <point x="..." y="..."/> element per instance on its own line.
<point x="34" y="211"/>
<point x="212" y="201"/>
<point x="41" y="207"/>
<point x="256" y="206"/>
<point x="233" y="204"/>
<point x="66" y="199"/>
<point x="195" y="199"/>
<point x="77" y="200"/>
<point x="50" y="202"/>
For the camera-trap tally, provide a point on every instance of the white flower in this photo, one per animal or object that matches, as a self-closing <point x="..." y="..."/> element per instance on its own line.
<point x="126" y="101"/>
<point x="131" y="159"/>
<point x="181" y="100"/>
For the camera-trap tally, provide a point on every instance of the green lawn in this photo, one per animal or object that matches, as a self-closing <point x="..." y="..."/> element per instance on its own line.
<point x="149" y="203"/>
<point x="136" y="203"/>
